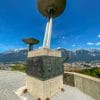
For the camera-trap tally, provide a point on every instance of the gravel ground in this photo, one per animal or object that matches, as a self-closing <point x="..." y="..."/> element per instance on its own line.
<point x="11" y="81"/>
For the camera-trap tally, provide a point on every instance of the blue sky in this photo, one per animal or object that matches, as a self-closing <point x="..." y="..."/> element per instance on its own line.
<point x="77" y="27"/>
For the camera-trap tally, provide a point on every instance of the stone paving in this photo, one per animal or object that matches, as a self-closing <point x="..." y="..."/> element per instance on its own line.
<point x="11" y="81"/>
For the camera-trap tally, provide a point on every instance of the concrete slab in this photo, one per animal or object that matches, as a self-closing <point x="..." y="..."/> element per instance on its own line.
<point x="12" y="83"/>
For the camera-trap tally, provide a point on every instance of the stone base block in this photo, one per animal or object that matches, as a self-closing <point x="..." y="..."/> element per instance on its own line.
<point x="44" y="52"/>
<point x="43" y="89"/>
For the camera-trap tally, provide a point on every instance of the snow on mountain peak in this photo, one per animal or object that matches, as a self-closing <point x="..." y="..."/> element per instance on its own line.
<point x="14" y="50"/>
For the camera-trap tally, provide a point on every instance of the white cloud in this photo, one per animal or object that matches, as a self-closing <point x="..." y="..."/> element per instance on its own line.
<point x="90" y="43"/>
<point x="63" y="37"/>
<point x="95" y="44"/>
<point x="73" y="45"/>
<point x="98" y="43"/>
<point x="98" y="36"/>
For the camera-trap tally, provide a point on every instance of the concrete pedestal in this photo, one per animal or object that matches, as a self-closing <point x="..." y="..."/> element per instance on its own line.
<point x="44" y="89"/>
<point x="45" y="73"/>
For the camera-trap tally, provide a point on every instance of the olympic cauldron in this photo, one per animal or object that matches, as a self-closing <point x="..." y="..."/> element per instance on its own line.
<point x="45" y="66"/>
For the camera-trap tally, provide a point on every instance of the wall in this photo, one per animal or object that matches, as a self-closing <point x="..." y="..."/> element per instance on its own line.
<point x="87" y="84"/>
<point x="69" y="79"/>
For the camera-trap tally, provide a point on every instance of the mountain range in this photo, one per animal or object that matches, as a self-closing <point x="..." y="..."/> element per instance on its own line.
<point x="16" y="55"/>
<point x="80" y="55"/>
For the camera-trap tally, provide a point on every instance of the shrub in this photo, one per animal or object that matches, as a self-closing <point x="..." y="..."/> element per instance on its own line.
<point x="95" y="72"/>
<point x="19" y="67"/>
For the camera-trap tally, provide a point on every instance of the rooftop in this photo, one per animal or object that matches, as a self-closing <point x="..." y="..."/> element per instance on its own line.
<point x="12" y="83"/>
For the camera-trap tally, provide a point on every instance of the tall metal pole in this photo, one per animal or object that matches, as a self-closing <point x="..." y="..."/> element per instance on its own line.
<point x="47" y="38"/>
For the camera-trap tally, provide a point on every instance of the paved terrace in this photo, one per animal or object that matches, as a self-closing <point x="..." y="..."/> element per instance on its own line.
<point x="12" y="82"/>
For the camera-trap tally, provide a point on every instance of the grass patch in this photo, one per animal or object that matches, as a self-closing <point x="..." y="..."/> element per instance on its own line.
<point x="95" y="72"/>
<point x="19" y="67"/>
